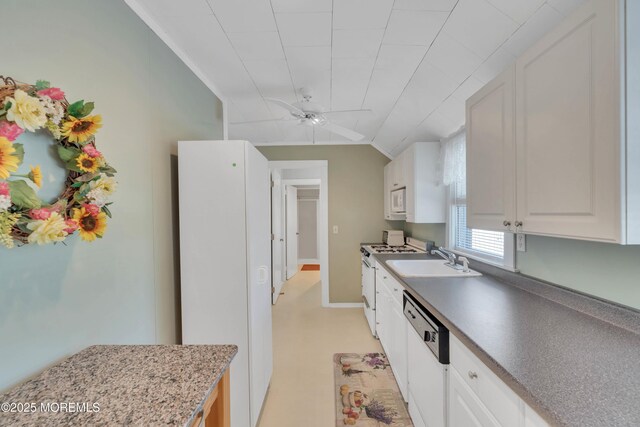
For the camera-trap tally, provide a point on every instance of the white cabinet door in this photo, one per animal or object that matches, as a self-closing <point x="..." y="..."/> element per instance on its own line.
<point x="568" y="128"/>
<point x="532" y="419"/>
<point x="398" y="177"/>
<point x="465" y="410"/>
<point x="399" y="347"/>
<point x="491" y="155"/>
<point x="387" y="191"/>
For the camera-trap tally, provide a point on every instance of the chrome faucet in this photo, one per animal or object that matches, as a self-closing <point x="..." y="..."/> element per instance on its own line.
<point x="445" y="254"/>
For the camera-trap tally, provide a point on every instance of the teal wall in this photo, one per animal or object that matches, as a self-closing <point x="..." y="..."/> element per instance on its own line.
<point x="56" y="300"/>
<point x="433" y="232"/>
<point x="608" y="271"/>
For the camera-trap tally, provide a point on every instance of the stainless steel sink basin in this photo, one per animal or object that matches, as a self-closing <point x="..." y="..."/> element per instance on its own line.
<point x="428" y="268"/>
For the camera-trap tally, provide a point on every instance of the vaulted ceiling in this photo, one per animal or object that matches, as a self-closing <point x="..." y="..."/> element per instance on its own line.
<point x="412" y="62"/>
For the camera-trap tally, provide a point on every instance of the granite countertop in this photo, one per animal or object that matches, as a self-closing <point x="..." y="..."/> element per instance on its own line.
<point x="132" y="384"/>
<point x="572" y="358"/>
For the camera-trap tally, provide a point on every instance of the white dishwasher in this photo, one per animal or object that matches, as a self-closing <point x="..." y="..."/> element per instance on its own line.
<point x="427" y="366"/>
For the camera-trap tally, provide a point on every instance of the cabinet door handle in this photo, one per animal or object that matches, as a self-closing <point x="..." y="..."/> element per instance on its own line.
<point x="506" y="223"/>
<point x="518" y="224"/>
<point x="395" y="289"/>
<point x="473" y="375"/>
<point x="384" y="277"/>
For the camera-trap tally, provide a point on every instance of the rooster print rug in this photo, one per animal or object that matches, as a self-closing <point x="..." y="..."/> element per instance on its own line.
<point x="367" y="394"/>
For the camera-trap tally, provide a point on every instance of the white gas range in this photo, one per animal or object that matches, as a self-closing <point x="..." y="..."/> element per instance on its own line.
<point x="413" y="246"/>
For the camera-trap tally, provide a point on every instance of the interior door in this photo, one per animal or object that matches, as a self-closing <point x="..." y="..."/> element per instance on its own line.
<point x="292" y="230"/>
<point x="277" y="232"/>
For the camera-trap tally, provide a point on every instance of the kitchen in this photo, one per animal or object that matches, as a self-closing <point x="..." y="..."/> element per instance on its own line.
<point x="477" y="214"/>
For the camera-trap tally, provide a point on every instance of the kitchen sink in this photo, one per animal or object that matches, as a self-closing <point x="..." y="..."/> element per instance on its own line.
<point x="428" y="268"/>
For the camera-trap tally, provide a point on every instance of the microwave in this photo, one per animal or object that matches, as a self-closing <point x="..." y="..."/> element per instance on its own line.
<point x="398" y="201"/>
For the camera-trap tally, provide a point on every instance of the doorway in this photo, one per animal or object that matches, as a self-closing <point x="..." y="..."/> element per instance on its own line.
<point x="300" y="228"/>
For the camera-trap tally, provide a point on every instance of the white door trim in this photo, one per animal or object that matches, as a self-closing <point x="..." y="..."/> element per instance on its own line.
<point x="323" y="217"/>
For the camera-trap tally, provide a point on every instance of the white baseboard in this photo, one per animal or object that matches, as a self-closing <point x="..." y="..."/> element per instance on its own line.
<point x="308" y="261"/>
<point x="345" y="305"/>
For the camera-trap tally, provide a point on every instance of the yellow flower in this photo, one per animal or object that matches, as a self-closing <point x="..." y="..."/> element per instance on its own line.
<point x="86" y="163"/>
<point x="36" y="176"/>
<point x="49" y="230"/>
<point x="90" y="226"/>
<point x="80" y="130"/>
<point x="8" y="162"/>
<point x="26" y="111"/>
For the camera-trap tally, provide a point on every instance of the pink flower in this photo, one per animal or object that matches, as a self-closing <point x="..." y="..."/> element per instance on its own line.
<point x="52" y="92"/>
<point x="4" y="188"/>
<point x="91" y="208"/>
<point x="40" y="214"/>
<point x="11" y="131"/>
<point x="72" y="226"/>
<point x="91" y="151"/>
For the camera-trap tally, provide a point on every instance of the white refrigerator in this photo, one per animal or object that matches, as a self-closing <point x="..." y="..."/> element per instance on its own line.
<point x="225" y="254"/>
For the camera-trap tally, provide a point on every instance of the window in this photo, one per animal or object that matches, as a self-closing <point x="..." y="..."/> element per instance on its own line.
<point x="490" y="246"/>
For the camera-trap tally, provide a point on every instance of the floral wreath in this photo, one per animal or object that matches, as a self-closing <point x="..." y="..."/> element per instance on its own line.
<point x="83" y="205"/>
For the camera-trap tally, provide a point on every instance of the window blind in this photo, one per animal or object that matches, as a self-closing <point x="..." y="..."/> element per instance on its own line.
<point x="486" y="242"/>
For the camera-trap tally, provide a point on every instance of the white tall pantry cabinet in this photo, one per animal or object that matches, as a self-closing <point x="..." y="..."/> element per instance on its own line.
<point x="560" y="129"/>
<point x="225" y="258"/>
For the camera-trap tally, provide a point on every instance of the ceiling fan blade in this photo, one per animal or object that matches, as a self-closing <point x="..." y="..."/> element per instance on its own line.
<point x="356" y="114"/>
<point x="250" y="122"/>
<point x="290" y="108"/>
<point x="343" y="131"/>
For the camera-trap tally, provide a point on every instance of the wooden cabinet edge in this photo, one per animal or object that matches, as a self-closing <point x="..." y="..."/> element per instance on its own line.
<point x="217" y="408"/>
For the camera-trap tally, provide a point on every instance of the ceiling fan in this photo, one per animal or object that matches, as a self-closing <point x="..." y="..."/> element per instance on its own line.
<point x="309" y="113"/>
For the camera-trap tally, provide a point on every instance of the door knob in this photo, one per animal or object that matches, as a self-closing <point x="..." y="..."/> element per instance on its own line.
<point x="506" y="223"/>
<point x="518" y="224"/>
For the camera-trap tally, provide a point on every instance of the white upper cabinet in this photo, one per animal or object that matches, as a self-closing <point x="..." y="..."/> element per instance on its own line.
<point x="426" y="196"/>
<point x="491" y="154"/>
<point x="576" y="169"/>
<point x="568" y="128"/>
<point x="416" y="170"/>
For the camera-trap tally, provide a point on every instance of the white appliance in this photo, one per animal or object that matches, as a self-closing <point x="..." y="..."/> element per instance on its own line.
<point x="369" y="289"/>
<point x="225" y="257"/>
<point x="427" y="365"/>
<point x="369" y="272"/>
<point x="398" y="201"/>
<point x="393" y="237"/>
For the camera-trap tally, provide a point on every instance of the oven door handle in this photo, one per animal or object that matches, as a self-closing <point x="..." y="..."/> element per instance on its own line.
<point x="364" y="299"/>
<point x="365" y="262"/>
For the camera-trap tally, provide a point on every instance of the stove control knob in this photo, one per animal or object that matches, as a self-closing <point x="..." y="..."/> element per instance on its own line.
<point x="427" y="336"/>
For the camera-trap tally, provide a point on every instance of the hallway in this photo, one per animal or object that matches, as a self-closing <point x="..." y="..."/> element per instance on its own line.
<point x="305" y="337"/>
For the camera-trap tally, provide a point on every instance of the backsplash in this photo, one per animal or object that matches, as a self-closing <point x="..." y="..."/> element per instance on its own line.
<point x="435" y="232"/>
<point x="605" y="270"/>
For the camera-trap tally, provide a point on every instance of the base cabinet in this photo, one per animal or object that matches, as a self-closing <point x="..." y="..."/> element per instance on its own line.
<point x="391" y="326"/>
<point x="465" y="409"/>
